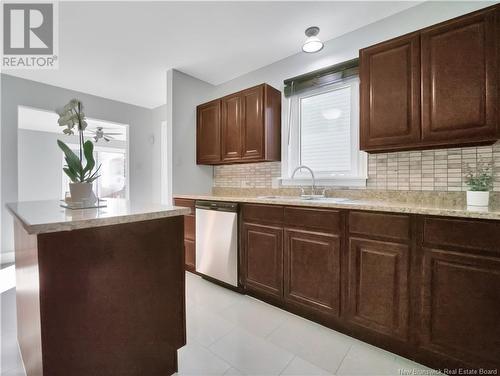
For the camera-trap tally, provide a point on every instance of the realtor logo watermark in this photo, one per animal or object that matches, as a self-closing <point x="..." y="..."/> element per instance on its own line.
<point x="30" y="35"/>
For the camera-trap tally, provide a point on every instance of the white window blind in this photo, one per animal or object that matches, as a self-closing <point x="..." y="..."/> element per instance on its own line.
<point x="325" y="131"/>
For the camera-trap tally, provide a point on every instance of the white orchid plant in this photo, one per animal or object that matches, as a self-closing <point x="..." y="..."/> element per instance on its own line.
<point x="72" y="117"/>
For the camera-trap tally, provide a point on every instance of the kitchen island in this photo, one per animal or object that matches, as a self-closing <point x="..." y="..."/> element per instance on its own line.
<point x="99" y="291"/>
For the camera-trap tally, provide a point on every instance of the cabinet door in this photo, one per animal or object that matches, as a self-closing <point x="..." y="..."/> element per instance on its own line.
<point x="208" y="133"/>
<point x="190" y="255"/>
<point x="459" y="80"/>
<point x="253" y="123"/>
<point x="378" y="286"/>
<point x="390" y="94"/>
<point x="263" y="259"/>
<point x="189" y="241"/>
<point x="460" y="306"/>
<point x="312" y="270"/>
<point x="231" y="127"/>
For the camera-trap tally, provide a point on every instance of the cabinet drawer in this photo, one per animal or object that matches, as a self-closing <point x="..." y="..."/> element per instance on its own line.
<point x="189" y="227"/>
<point x="185" y="202"/>
<point x="319" y="219"/>
<point x="396" y="227"/>
<point x="473" y="234"/>
<point x="263" y="213"/>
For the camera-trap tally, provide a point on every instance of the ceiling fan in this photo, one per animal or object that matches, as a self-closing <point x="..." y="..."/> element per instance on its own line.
<point x="100" y="134"/>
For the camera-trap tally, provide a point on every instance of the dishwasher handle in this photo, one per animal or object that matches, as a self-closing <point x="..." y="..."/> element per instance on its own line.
<point x="217" y="205"/>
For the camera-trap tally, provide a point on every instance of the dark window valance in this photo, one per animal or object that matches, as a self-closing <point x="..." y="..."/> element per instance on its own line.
<point x="321" y="77"/>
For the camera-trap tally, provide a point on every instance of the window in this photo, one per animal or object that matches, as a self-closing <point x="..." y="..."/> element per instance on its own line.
<point x="323" y="134"/>
<point x="112" y="182"/>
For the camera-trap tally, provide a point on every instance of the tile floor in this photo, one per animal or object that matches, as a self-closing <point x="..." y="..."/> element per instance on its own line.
<point x="233" y="334"/>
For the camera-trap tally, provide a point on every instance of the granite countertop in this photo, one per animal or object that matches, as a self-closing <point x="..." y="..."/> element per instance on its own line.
<point x="39" y="217"/>
<point x="460" y="211"/>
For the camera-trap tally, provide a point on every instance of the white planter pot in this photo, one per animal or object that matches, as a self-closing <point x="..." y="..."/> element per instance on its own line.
<point x="82" y="192"/>
<point x="478" y="198"/>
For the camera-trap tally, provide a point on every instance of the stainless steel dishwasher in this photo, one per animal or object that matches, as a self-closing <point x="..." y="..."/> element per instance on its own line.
<point x="217" y="240"/>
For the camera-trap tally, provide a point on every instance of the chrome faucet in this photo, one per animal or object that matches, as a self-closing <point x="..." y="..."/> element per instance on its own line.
<point x="313" y="180"/>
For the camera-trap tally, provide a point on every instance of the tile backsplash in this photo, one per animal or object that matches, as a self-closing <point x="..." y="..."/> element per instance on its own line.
<point x="249" y="175"/>
<point x="426" y="170"/>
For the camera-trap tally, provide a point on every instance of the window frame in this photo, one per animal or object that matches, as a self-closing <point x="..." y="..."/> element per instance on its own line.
<point x="98" y="148"/>
<point x="292" y="149"/>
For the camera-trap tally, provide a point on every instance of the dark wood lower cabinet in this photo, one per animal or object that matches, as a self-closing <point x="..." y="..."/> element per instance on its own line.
<point x="190" y="255"/>
<point x="409" y="284"/>
<point x="312" y="270"/>
<point x="460" y="307"/>
<point x="189" y="233"/>
<point x="263" y="259"/>
<point x="377" y="289"/>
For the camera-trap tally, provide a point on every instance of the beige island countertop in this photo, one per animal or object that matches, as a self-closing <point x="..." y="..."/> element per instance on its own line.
<point x="38" y="217"/>
<point x="75" y="267"/>
<point x="416" y="207"/>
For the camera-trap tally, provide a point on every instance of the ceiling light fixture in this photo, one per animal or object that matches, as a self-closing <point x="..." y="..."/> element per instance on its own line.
<point x="312" y="43"/>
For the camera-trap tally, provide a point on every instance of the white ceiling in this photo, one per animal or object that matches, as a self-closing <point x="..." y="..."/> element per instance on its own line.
<point x="46" y="121"/>
<point x="121" y="50"/>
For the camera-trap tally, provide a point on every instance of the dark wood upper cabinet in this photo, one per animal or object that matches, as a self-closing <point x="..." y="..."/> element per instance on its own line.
<point x="390" y="94"/>
<point x="459" y="80"/>
<point x="249" y="126"/>
<point x="253" y="131"/>
<point x="232" y="116"/>
<point x="208" y="133"/>
<point x="437" y="87"/>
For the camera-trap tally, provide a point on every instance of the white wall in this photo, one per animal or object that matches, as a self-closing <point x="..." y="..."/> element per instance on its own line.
<point x="39" y="166"/>
<point x="347" y="46"/>
<point x="184" y="93"/>
<point x="19" y="92"/>
<point x="159" y="115"/>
